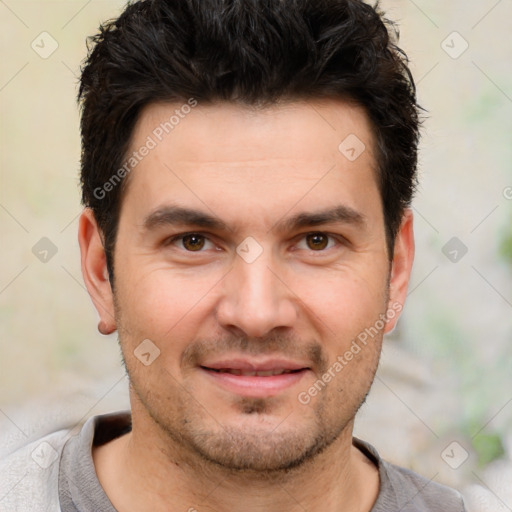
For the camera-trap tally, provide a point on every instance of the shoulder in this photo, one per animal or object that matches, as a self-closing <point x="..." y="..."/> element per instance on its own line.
<point x="404" y="490"/>
<point x="413" y="492"/>
<point x="29" y="475"/>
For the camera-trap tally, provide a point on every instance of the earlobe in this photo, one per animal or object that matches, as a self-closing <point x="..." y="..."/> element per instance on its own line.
<point x="95" y="272"/>
<point x="403" y="257"/>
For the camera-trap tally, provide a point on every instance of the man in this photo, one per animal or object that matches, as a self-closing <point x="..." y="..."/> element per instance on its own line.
<point x="247" y="168"/>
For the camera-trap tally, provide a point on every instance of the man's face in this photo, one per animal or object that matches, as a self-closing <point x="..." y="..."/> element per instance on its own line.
<point x="224" y="262"/>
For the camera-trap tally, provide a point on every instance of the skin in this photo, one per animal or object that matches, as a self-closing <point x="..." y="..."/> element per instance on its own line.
<point x="194" y="442"/>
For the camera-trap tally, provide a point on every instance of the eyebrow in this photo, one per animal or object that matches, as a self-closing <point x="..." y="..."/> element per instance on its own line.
<point x="339" y="214"/>
<point x="177" y="215"/>
<point x="171" y="215"/>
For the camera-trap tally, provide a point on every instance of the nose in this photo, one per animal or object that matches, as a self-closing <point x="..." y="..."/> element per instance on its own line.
<point x="256" y="298"/>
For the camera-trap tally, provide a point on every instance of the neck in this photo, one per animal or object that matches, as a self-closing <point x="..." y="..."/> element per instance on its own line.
<point x="142" y="471"/>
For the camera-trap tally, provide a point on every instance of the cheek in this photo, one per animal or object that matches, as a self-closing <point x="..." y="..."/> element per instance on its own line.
<point x="162" y="304"/>
<point x="343" y="302"/>
<point x="156" y="288"/>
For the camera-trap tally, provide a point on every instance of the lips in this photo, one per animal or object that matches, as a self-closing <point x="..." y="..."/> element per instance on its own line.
<point x="261" y="373"/>
<point x="275" y="366"/>
<point x="255" y="378"/>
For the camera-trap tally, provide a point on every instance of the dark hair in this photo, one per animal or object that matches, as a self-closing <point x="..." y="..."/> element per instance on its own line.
<point x="254" y="52"/>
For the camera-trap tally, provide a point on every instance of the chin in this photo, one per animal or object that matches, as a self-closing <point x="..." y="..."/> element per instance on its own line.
<point x="262" y="444"/>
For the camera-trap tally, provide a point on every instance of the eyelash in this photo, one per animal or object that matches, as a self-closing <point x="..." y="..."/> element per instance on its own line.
<point x="337" y="238"/>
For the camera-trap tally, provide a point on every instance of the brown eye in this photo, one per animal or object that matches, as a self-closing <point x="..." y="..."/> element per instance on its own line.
<point x="317" y="241"/>
<point x="193" y="242"/>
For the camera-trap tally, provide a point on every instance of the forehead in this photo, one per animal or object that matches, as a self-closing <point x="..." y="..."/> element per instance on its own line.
<point x="247" y="155"/>
<point x="215" y="131"/>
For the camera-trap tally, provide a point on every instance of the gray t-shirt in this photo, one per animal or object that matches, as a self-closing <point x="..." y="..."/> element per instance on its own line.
<point x="401" y="490"/>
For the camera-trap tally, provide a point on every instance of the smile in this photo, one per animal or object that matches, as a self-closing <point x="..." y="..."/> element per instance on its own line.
<point x="262" y="373"/>
<point x="254" y="379"/>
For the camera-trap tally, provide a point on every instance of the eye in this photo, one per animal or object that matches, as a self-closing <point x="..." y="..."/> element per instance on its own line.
<point x="191" y="242"/>
<point x="317" y="241"/>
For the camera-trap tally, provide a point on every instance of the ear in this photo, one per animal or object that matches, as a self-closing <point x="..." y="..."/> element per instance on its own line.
<point x="403" y="256"/>
<point x="94" y="270"/>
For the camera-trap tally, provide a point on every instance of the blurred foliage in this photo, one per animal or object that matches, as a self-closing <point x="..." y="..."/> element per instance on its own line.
<point x="505" y="248"/>
<point x="488" y="447"/>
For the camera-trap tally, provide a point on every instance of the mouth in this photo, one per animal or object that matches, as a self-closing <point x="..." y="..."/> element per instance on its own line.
<point x="255" y="379"/>
<point x="255" y="373"/>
